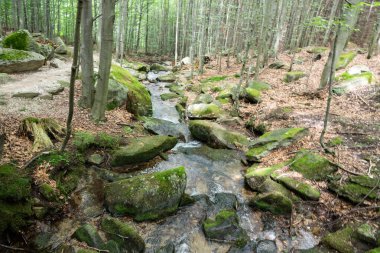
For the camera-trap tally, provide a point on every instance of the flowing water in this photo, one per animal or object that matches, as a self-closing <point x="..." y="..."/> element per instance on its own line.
<point x="214" y="178"/>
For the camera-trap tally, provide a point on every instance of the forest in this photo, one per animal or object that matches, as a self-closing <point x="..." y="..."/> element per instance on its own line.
<point x="190" y="126"/>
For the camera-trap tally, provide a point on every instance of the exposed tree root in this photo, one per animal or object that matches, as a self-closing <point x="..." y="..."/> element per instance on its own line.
<point x="42" y="131"/>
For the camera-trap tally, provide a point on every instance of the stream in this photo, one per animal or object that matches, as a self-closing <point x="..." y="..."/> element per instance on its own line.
<point x="214" y="178"/>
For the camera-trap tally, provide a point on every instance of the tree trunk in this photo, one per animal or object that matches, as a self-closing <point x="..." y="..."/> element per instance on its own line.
<point x="374" y="43"/>
<point x="177" y="32"/>
<point x="74" y="69"/>
<point x="87" y="59"/>
<point x="350" y="18"/>
<point x="108" y="16"/>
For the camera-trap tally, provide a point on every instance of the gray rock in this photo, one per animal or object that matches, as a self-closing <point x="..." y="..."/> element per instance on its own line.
<point x="61" y="49"/>
<point x="186" y="61"/>
<point x="358" y="69"/>
<point x="56" y="63"/>
<point x="46" y="96"/>
<point x="26" y="94"/>
<point x="117" y="94"/>
<point x="203" y="99"/>
<point x="54" y="88"/>
<point x="266" y="246"/>
<point x="12" y="60"/>
<point x="164" y="127"/>
<point x="204" y="111"/>
<point x="95" y="159"/>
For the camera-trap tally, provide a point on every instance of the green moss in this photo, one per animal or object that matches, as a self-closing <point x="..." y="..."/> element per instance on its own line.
<point x="84" y="140"/>
<point x="304" y="190"/>
<point x="13" y="55"/>
<point x="340" y="240"/>
<point x="313" y="166"/>
<point x="352" y="191"/>
<point x="375" y="250"/>
<point x="294" y="76"/>
<point x="258" y="85"/>
<point x="123" y="234"/>
<point x="219" y="219"/>
<point x="365" y="181"/>
<point x="168" y="96"/>
<point x="49" y="193"/>
<point x="346" y="76"/>
<point x="14" y="216"/>
<point x="68" y="180"/>
<point x="139" y="100"/>
<point x="56" y="159"/>
<point x="336" y="141"/>
<point x="14" y="185"/>
<point x="345" y="59"/>
<point x="317" y="50"/>
<point x="266" y="171"/>
<point x="18" y="40"/>
<point x="214" y="79"/>
<point x="274" y="202"/>
<point x="88" y="234"/>
<point x="253" y="95"/>
<point x="367" y="233"/>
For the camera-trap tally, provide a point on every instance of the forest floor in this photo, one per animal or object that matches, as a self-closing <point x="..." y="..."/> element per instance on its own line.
<point x="354" y="117"/>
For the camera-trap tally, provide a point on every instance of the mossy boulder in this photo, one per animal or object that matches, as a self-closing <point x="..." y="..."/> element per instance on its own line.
<point x="367" y="233"/>
<point x="168" y="96"/>
<point x="294" y="76"/>
<point x="340" y="240"/>
<point x="123" y="234"/>
<point x="375" y="250"/>
<point x="277" y="65"/>
<point x="139" y="100"/>
<point x="169" y="78"/>
<point x="138" y="66"/>
<point x="49" y="192"/>
<point x="353" y="82"/>
<point x="365" y="181"/>
<point x="253" y="95"/>
<point x="270" y="186"/>
<point x="313" y="166"/>
<point x="12" y="60"/>
<point x="269" y="141"/>
<point x="147" y="197"/>
<point x="117" y="94"/>
<point x="164" y="127"/>
<point x="345" y="59"/>
<point x="61" y="46"/>
<point x="158" y="67"/>
<point x="274" y="202"/>
<point x="85" y="140"/>
<point x="352" y="191"/>
<point x="305" y="190"/>
<point x="225" y="227"/>
<point x="89" y="234"/>
<point x="15" y="205"/>
<point x="204" y="111"/>
<point x="259" y="85"/>
<point x="225" y="94"/>
<point x="255" y="175"/>
<point x="142" y="149"/>
<point x="317" y="50"/>
<point x="216" y="135"/>
<point x="203" y="99"/>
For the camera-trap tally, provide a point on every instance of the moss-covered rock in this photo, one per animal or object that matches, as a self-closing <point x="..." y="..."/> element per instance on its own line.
<point x="169" y="78"/>
<point x="49" y="192"/>
<point x="14" y="215"/>
<point x="12" y="60"/>
<point x="203" y="99"/>
<point x="253" y="95"/>
<point x="139" y="100"/>
<point x="277" y="65"/>
<point x="352" y="191"/>
<point x="313" y="166"/>
<point x="88" y="234"/>
<point x="273" y="140"/>
<point x="225" y="226"/>
<point x="317" y="50"/>
<point x="84" y="140"/>
<point x="175" y="88"/>
<point x="255" y="175"/>
<point x="204" y="111"/>
<point x="164" y="127"/>
<point x="159" y="67"/>
<point x="353" y="82"/>
<point x="147" y="197"/>
<point x="258" y="85"/>
<point x="168" y="96"/>
<point x="274" y="202"/>
<point x="302" y="189"/>
<point x="225" y="94"/>
<point x="367" y="233"/>
<point x="336" y="141"/>
<point x="340" y="240"/>
<point x="345" y="59"/>
<point x="375" y="250"/>
<point x="280" y="113"/>
<point x="270" y="186"/>
<point x="142" y="149"/>
<point x="61" y="47"/>
<point x="294" y="76"/>
<point x="138" y="66"/>
<point x="216" y="135"/>
<point x="123" y="234"/>
<point x="366" y="181"/>
<point x="117" y="94"/>
<point x="214" y="79"/>
<point x="18" y="40"/>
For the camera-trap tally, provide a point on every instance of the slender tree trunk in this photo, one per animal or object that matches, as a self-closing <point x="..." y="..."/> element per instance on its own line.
<point x="177" y="32"/>
<point x="108" y="16"/>
<point x="87" y="59"/>
<point x="193" y="23"/>
<point x="374" y="43"/>
<point x="74" y="68"/>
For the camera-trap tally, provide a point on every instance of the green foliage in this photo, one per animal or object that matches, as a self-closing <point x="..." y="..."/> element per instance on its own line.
<point x="336" y="141"/>
<point x="18" y="40"/>
<point x="56" y="159"/>
<point x="318" y="22"/>
<point x="14" y="185"/>
<point x="214" y="79"/>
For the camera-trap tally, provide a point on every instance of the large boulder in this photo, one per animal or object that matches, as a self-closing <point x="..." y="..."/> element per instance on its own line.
<point x="142" y="149"/>
<point x="139" y="100"/>
<point x="273" y="140"/>
<point x="164" y="127"/>
<point x="148" y="196"/>
<point x="138" y="66"/>
<point x="216" y="135"/>
<point x="275" y="202"/>
<point x="294" y="76"/>
<point x="61" y="46"/>
<point x="353" y="80"/>
<point x="12" y="61"/>
<point x="303" y="189"/>
<point x="117" y="94"/>
<point x="204" y="111"/>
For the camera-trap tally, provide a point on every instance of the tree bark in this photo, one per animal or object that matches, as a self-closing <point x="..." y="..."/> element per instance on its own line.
<point x="87" y="59"/>
<point x="374" y="43"/>
<point x="108" y="16"/>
